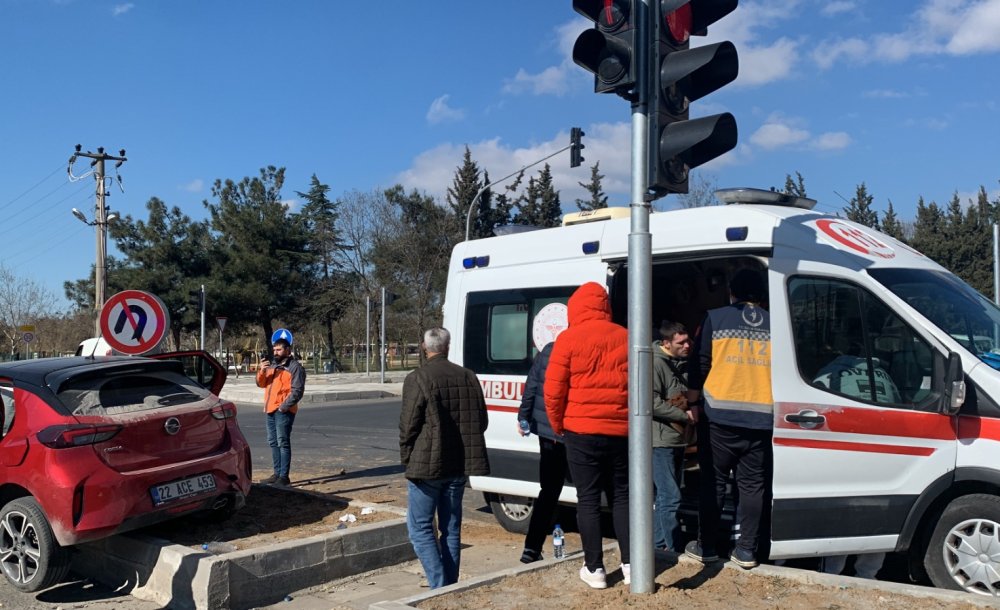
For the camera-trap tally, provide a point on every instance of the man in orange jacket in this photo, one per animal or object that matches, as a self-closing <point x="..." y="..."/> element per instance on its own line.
<point x="284" y="382"/>
<point x="586" y="399"/>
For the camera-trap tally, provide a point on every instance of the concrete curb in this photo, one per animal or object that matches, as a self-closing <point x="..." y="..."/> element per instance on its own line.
<point x="808" y="577"/>
<point x="250" y="396"/>
<point x="181" y="578"/>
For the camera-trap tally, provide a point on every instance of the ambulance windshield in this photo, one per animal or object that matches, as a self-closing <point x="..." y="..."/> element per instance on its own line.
<point x="952" y="305"/>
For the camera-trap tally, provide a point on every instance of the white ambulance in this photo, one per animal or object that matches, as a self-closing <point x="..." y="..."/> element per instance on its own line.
<point x="887" y="399"/>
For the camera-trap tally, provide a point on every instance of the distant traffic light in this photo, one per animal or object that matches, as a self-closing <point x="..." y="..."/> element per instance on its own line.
<point x="197" y="299"/>
<point x="608" y="50"/>
<point x="679" y="76"/>
<point x="575" y="146"/>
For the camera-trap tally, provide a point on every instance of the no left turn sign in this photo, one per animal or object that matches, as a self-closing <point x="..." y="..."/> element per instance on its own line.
<point x="134" y="322"/>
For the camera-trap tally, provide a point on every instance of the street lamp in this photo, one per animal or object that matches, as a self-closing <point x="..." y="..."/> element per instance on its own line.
<point x="101" y="266"/>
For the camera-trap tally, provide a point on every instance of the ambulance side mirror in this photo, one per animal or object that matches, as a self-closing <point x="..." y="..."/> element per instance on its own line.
<point x="954" y="385"/>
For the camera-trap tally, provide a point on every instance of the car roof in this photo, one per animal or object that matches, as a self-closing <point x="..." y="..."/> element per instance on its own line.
<point x="36" y="370"/>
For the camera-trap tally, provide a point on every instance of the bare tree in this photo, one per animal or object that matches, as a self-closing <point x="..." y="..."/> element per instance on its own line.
<point x="701" y="193"/>
<point x="22" y="301"/>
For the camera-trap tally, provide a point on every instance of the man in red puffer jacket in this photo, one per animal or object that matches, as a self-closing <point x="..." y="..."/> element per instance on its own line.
<point x="586" y="399"/>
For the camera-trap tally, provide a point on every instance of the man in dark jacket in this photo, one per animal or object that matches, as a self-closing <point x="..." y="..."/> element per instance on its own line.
<point x="441" y="444"/>
<point x="671" y="421"/>
<point x="551" y="455"/>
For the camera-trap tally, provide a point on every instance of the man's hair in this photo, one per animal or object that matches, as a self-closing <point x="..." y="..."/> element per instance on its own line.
<point x="283" y="343"/>
<point x="437" y="340"/>
<point x="669" y="330"/>
<point x="748" y="285"/>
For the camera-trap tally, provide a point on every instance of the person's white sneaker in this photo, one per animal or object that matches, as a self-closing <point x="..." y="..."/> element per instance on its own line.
<point x="626" y="573"/>
<point x="596" y="579"/>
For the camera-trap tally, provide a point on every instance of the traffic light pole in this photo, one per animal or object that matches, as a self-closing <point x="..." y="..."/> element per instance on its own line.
<point x="202" y="344"/>
<point x="640" y="333"/>
<point x="382" y="339"/>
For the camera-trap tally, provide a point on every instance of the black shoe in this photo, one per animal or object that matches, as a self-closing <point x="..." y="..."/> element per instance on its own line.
<point x="282" y="482"/>
<point x="269" y="480"/>
<point x="695" y="551"/>
<point x="743" y="558"/>
<point x="530" y="556"/>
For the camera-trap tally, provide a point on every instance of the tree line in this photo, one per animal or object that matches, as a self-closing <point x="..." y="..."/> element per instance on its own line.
<point x="313" y="268"/>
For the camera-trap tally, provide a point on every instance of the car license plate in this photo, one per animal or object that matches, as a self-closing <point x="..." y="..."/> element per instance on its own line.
<point x="168" y="492"/>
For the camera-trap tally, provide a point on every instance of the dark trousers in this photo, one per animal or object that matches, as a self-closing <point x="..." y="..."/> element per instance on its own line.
<point x="599" y="463"/>
<point x="551" y="477"/>
<point x="747" y="454"/>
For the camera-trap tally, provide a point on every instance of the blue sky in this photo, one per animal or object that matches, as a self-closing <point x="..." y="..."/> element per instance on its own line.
<point x="902" y="95"/>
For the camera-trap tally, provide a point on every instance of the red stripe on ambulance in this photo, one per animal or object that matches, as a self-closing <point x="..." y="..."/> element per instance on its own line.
<point x="848" y="446"/>
<point x="880" y="422"/>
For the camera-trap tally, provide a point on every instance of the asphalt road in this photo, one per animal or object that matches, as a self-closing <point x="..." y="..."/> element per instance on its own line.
<point x="360" y="437"/>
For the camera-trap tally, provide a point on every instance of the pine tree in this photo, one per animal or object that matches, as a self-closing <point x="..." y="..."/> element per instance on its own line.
<point x="597" y="197"/>
<point x="797" y="187"/>
<point x="859" y="209"/>
<point x="928" y="231"/>
<point x="463" y="190"/>
<point x="539" y="205"/>
<point x="891" y="225"/>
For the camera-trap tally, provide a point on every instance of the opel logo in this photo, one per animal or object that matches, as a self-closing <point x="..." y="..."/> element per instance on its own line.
<point x="173" y="426"/>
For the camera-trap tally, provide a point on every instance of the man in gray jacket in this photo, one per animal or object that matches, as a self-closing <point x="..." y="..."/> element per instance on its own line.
<point x="441" y="444"/>
<point x="671" y="426"/>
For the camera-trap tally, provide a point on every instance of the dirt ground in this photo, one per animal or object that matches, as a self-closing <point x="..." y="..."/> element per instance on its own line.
<point x="682" y="585"/>
<point x="274" y="514"/>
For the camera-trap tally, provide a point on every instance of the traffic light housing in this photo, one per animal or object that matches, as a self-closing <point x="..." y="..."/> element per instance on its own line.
<point x="678" y="76"/>
<point x="197" y="300"/>
<point x="575" y="146"/>
<point x="608" y="50"/>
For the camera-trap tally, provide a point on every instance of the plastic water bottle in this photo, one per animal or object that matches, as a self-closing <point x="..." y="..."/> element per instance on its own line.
<point x="217" y="547"/>
<point x="558" y="548"/>
<point x="525" y="426"/>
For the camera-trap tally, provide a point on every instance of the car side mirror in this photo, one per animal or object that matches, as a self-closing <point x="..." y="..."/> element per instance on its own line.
<point x="954" y="385"/>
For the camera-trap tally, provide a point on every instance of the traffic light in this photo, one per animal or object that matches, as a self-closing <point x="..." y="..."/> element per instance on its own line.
<point x="678" y="76"/>
<point x="197" y="300"/>
<point x="609" y="48"/>
<point x="575" y="146"/>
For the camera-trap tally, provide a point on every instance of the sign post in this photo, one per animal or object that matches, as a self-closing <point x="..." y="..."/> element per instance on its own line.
<point x="134" y="322"/>
<point x="221" y="321"/>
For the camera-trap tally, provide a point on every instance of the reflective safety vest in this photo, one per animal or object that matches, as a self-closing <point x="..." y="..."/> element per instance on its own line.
<point x="735" y="361"/>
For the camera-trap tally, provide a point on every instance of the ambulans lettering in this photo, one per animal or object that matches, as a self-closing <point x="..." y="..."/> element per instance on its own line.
<point x="504" y="390"/>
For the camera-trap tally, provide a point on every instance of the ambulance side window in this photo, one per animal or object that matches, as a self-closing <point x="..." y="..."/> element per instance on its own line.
<point x="497" y="333"/>
<point x="850" y="343"/>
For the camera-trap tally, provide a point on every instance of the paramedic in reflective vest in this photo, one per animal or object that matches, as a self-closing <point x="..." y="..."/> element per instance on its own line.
<point x="732" y="368"/>
<point x="284" y="382"/>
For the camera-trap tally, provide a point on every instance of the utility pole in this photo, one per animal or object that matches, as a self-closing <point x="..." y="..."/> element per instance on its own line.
<point x="100" y="220"/>
<point x="381" y="346"/>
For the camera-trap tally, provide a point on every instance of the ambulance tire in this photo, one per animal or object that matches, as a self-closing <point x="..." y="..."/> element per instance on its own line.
<point x="513" y="513"/>
<point x="967" y="518"/>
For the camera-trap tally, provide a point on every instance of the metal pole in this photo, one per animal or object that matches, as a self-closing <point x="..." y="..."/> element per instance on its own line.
<point x="100" y="269"/>
<point x="996" y="263"/>
<point x="368" y="335"/>
<point x="202" y="344"/>
<point x="640" y="333"/>
<point x="382" y="340"/>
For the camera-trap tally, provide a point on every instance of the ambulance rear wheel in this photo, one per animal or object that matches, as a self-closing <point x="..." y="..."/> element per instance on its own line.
<point x="512" y="512"/>
<point x="964" y="550"/>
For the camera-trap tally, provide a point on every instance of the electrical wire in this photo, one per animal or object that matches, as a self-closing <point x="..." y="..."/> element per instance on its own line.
<point x="31" y="188"/>
<point x="48" y="207"/>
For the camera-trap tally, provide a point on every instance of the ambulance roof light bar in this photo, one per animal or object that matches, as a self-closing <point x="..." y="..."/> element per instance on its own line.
<point x="760" y="196"/>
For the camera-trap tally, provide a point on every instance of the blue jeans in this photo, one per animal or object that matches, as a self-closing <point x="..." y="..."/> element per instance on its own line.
<point x="440" y="557"/>
<point x="279" y="437"/>
<point x="667" y="480"/>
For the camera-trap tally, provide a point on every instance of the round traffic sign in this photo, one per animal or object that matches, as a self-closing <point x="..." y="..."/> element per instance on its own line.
<point x="28" y="336"/>
<point x="134" y="322"/>
<point x="282" y="333"/>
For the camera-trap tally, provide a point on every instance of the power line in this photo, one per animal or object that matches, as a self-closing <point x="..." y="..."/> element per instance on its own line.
<point x="32" y="187"/>
<point x="51" y="205"/>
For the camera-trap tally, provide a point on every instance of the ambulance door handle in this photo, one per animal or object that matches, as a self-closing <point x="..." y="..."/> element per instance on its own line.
<point x="806" y="419"/>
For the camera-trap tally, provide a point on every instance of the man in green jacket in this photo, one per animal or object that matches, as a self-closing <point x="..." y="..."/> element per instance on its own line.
<point x="441" y="444"/>
<point x="671" y="426"/>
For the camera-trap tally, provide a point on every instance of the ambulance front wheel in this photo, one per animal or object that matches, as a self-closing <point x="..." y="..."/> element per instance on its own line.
<point x="964" y="550"/>
<point x="512" y="512"/>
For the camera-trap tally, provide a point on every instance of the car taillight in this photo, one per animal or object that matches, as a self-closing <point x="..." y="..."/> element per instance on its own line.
<point x="61" y="437"/>
<point x="223" y="411"/>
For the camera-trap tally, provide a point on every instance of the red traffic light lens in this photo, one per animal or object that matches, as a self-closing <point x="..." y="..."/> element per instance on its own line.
<point x="679" y="24"/>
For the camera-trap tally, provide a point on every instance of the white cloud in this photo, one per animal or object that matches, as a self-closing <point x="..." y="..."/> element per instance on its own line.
<point x="195" y="186"/>
<point x="831" y="140"/>
<point x="759" y="63"/>
<point x="553" y="80"/>
<point x="938" y="27"/>
<point x="292" y="205"/>
<point x="608" y="143"/>
<point x="837" y="7"/>
<point x="121" y="9"/>
<point x="934" y="124"/>
<point x="885" y="94"/>
<point x="773" y="134"/>
<point x="441" y="112"/>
